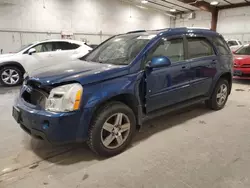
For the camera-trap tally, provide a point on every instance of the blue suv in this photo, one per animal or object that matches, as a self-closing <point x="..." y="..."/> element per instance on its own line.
<point x="104" y="96"/>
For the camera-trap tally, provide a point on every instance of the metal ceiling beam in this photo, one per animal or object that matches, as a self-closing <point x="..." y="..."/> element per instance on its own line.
<point x="203" y="5"/>
<point x="228" y="2"/>
<point x="234" y="5"/>
<point x="165" y="1"/>
<point x="152" y="2"/>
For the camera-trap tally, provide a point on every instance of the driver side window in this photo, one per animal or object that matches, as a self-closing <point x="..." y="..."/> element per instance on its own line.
<point x="44" y="47"/>
<point x="172" y="48"/>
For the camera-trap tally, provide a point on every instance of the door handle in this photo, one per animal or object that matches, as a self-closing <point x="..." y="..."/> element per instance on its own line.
<point x="183" y="67"/>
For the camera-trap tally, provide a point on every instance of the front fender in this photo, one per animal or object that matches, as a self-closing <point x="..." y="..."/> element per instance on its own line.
<point x="98" y="93"/>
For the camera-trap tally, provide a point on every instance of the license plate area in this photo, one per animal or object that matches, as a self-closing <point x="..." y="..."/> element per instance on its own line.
<point x="16" y="114"/>
<point x="237" y="73"/>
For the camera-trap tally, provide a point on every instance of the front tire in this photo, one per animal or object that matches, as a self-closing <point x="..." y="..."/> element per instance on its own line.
<point x="219" y="96"/>
<point x="10" y="76"/>
<point x="112" y="129"/>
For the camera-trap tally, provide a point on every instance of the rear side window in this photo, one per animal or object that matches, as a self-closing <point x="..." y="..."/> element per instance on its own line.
<point x="232" y="43"/>
<point x="65" y="46"/>
<point x="221" y="46"/>
<point x="199" y="47"/>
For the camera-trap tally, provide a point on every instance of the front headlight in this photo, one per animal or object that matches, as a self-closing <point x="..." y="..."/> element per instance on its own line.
<point x="64" y="98"/>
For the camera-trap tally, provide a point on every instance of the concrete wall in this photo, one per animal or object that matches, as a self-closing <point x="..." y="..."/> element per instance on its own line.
<point x="24" y="21"/>
<point x="235" y="23"/>
<point x="202" y="19"/>
<point x="232" y="23"/>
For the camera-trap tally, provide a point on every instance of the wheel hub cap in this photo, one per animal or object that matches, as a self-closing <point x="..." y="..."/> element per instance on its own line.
<point x="116" y="131"/>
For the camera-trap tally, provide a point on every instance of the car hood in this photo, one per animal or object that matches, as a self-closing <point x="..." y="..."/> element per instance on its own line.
<point x="242" y="59"/>
<point x="80" y="71"/>
<point x="6" y="55"/>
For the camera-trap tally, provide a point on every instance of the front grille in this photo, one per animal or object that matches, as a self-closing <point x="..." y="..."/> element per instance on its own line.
<point x="33" y="93"/>
<point x="245" y="66"/>
<point x="35" y="97"/>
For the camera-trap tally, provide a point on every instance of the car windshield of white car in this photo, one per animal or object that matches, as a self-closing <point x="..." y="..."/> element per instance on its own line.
<point x="22" y="48"/>
<point x="120" y="50"/>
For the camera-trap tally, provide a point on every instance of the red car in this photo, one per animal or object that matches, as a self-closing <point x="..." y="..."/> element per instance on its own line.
<point x="242" y="62"/>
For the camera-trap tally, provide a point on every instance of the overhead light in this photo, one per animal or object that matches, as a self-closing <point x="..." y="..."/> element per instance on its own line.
<point x="172" y="10"/>
<point x="144" y="1"/>
<point x="214" y="3"/>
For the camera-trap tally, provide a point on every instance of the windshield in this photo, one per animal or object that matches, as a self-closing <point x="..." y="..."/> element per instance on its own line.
<point x="120" y="50"/>
<point x="245" y="50"/>
<point x="22" y="48"/>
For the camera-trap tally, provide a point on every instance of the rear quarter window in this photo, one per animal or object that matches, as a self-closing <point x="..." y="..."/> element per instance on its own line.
<point x="221" y="45"/>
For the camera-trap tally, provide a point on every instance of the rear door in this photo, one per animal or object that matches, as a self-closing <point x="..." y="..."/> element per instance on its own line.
<point x="167" y="85"/>
<point x="203" y="62"/>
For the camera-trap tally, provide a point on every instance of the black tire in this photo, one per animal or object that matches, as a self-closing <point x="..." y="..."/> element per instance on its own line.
<point x="17" y="70"/>
<point x="95" y="132"/>
<point x="213" y="103"/>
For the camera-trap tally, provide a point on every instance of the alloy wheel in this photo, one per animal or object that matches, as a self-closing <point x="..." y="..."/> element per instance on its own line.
<point x="222" y="94"/>
<point x="10" y="77"/>
<point x="115" y="131"/>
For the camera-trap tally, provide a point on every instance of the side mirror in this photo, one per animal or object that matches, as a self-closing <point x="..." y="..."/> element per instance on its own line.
<point x="32" y="51"/>
<point x="161" y="61"/>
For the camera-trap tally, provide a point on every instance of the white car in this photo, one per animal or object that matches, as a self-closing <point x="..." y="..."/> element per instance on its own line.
<point x="38" y="55"/>
<point x="234" y="44"/>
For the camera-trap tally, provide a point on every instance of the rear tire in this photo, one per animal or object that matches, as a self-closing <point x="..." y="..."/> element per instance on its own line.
<point x="219" y="96"/>
<point x="112" y="129"/>
<point x="11" y="76"/>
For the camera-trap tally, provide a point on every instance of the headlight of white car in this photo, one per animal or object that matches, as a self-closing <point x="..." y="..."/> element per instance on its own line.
<point x="64" y="98"/>
<point x="25" y="75"/>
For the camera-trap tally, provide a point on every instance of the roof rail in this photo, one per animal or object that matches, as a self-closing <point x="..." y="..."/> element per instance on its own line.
<point x="136" y="31"/>
<point x="198" y="28"/>
<point x="163" y="29"/>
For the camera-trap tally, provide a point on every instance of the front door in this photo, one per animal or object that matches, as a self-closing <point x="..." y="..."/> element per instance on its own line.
<point x="41" y="58"/>
<point x="167" y="85"/>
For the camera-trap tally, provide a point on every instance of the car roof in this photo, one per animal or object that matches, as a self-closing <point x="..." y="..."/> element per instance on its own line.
<point x="232" y="39"/>
<point x="61" y="40"/>
<point x="194" y="30"/>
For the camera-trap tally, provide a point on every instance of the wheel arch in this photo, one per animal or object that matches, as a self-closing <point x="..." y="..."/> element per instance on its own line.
<point x="227" y="76"/>
<point x="126" y="98"/>
<point x="13" y="63"/>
